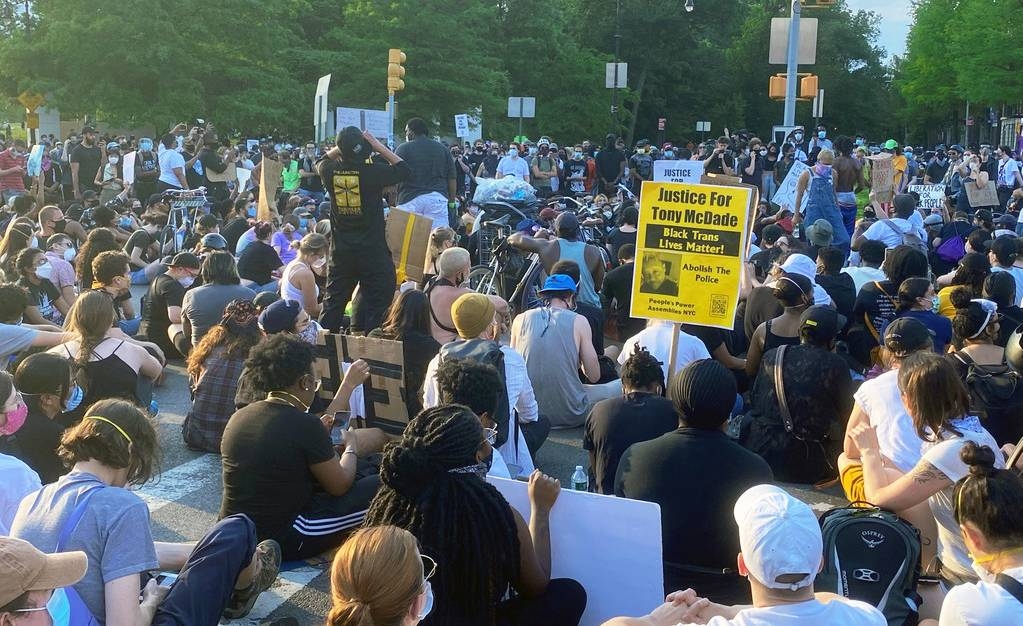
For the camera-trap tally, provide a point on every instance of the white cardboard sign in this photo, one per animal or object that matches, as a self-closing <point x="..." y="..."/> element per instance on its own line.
<point x="931" y="196"/>
<point x="611" y="546"/>
<point x="786" y="194"/>
<point x="678" y="171"/>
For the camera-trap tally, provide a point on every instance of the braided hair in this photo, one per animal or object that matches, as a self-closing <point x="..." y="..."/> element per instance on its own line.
<point x="641" y="370"/>
<point x="459" y="519"/>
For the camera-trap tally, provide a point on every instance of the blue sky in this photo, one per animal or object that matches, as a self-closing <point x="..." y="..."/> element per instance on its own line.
<point x="895" y="20"/>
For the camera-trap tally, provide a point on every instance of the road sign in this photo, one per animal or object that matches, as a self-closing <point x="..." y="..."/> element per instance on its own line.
<point x="521" y="106"/>
<point x="31" y="120"/>
<point x="376" y="122"/>
<point x="780" y="41"/>
<point x="969" y="121"/>
<point x="661" y="122"/>
<point x="613" y="79"/>
<point x="818" y="104"/>
<point x="320" y="113"/>
<point x="31" y="100"/>
<point x="703" y="127"/>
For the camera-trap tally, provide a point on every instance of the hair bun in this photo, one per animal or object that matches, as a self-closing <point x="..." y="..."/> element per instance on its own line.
<point x="980" y="459"/>
<point x="961" y="297"/>
<point x="407" y="469"/>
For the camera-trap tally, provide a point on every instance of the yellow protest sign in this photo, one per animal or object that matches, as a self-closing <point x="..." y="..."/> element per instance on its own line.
<point x="690" y="250"/>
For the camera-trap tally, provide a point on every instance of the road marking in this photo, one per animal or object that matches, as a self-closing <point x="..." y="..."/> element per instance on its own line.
<point x="288" y="584"/>
<point x="175" y="484"/>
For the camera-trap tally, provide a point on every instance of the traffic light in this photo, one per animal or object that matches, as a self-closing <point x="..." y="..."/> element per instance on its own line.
<point x="395" y="70"/>
<point x="808" y="87"/>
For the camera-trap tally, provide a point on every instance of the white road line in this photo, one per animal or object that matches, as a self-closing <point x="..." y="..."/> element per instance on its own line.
<point x="174" y="484"/>
<point x="288" y="584"/>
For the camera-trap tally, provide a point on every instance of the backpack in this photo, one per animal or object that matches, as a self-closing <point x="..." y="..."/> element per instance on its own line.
<point x="909" y="238"/>
<point x="644" y="165"/>
<point x="952" y="250"/>
<point x="489" y="353"/>
<point x="996" y="397"/>
<point x="805" y="429"/>
<point x="873" y="556"/>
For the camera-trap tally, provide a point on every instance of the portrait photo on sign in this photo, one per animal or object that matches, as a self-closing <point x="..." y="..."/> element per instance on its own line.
<point x="660" y="273"/>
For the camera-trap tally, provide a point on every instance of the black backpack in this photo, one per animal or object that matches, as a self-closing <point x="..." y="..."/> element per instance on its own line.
<point x="487" y="352"/>
<point x="873" y="556"/>
<point x="996" y="397"/>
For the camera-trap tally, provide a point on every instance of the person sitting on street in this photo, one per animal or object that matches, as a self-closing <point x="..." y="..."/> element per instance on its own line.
<point x="161" y="315"/>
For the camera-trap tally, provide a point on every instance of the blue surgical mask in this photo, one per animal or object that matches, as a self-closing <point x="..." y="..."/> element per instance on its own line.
<point x="58" y="607"/>
<point x="426" y="607"/>
<point x="822" y="134"/>
<point x="251" y="212"/>
<point x="124" y="222"/>
<point x="145" y="146"/>
<point x="75" y="399"/>
<point x="69" y="254"/>
<point x="303" y="223"/>
<point x="935" y="303"/>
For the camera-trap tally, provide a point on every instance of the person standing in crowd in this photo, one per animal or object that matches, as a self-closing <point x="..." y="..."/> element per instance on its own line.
<point x="848" y="174"/>
<point x="512" y="164"/>
<point x="172" y="166"/>
<point x="702" y="394"/>
<point x="359" y="254"/>
<point x="429" y="189"/>
<point x="310" y="184"/>
<point x="751" y="164"/>
<point x="381" y="574"/>
<point x="543" y="169"/>
<point x="147" y="170"/>
<point x="642" y="413"/>
<point x="12" y="171"/>
<point x="433" y="486"/>
<point x="818" y="186"/>
<point x="1009" y="176"/>
<point x="85" y="163"/>
<point x="719" y="161"/>
<point x="611" y="163"/>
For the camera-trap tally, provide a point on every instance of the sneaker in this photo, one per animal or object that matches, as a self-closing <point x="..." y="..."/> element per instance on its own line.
<point x="268" y="553"/>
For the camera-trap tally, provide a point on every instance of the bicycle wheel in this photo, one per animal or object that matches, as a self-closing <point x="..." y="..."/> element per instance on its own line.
<point x="481" y="280"/>
<point x="525" y="296"/>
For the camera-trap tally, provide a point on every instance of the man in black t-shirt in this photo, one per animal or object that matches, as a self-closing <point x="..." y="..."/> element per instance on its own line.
<point x="695" y="474"/>
<point x="147" y="170"/>
<point x="610" y="166"/>
<point x="211" y="162"/>
<point x="310" y="183"/>
<point x="161" y="316"/>
<point x="719" y="161"/>
<point x="143" y="250"/>
<point x="85" y="162"/>
<point x="614" y="424"/>
<point x="359" y="254"/>
<point x="575" y="174"/>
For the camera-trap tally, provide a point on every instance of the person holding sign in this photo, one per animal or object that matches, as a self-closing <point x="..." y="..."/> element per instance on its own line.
<point x="823" y="201"/>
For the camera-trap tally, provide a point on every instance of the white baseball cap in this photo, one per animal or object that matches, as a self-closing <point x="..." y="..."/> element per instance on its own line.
<point x="778" y="536"/>
<point x="800" y="264"/>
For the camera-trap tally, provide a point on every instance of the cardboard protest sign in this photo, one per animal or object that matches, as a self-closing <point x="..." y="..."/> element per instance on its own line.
<point x="882" y="177"/>
<point x="128" y="168"/>
<point x="625" y="575"/>
<point x="690" y="249"/>
<point x="408" y="236"/>
<point x="785" y="196"/>
<point x="384" y="391"/>
<point x="932" y="197"/>
<point x="986" y="196"/>
<point x="227" y="176"/>
<point x="243" y="175"/>
<point x="678" y="171"/>
<point x="269" y="182"/>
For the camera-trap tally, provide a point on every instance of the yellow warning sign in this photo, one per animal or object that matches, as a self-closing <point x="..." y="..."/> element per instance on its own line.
<point x="31" y="100"/>
<point x="690" y="251"/>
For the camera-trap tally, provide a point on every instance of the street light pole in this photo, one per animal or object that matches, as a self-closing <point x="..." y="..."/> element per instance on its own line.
<point x="792" y="65"/>
<point x="614" y="88"/>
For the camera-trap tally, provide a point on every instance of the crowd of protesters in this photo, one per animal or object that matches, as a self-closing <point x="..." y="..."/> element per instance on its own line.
<point x="874" y="348"/>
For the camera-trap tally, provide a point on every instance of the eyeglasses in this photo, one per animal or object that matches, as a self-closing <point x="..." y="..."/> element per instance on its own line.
<point x="490" y="434"/>
<point x="429" y="567"/>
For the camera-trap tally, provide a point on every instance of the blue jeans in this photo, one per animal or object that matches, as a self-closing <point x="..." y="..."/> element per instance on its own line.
<point x="271" y="286"/>
<point x="206" y="582"/>
<point x="769" y="187"/>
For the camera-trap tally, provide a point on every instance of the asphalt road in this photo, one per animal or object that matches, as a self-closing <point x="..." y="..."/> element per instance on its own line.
<point x="186" y="497"/>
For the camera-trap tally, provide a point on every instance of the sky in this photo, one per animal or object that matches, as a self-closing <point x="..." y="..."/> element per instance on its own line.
<point x="895" y="20"/>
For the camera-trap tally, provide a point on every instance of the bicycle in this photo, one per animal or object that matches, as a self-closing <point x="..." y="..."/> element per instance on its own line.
<point x="179" y="222"/>
<point x="504" y="266"/>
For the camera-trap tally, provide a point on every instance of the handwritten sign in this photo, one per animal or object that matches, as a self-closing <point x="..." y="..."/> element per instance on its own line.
<point x="932" y="197"/>
<point x="786" y="194"/>
<point x="678" y="171"/>
<point x="384" y="390"/>
<point x="882" y="177"/>
<point x="690" y="249"/>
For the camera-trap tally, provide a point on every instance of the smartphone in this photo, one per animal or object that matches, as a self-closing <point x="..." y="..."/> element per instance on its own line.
<point x="166" y="579"/>
<point x="342" y="419"/>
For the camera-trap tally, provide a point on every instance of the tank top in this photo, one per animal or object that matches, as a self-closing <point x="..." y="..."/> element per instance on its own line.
<point x="576" y="251"/>
<point x="106" y="377"/>
<point x="546" y="339"/>
<point x="772" y="340"/>
<point x="290" y="291"/>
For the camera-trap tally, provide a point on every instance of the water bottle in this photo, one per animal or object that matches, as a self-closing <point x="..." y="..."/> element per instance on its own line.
<point x="580" y="481"/>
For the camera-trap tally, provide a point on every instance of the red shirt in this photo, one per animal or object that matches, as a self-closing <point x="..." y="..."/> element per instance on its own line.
<point x="14" y="182"/>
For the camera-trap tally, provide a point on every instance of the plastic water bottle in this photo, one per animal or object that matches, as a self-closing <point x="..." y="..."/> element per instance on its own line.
<point x="580" y="481"/>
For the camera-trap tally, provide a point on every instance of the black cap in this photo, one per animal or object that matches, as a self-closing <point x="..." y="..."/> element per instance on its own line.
<point x="352" y="144"/>
<point x="185" y="259"/>
<point x="88" y="129"/>
<point x="956" y="147"/>
<point x="213" y="241"/>
<point x="983" y="215"/>
<point x="906" y="335"/>
<point x="566" y="223"/>
<point x="821" y="323"/>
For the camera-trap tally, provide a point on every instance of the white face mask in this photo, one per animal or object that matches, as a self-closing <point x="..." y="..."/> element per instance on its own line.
<point x="513" y="153"/>
<point x="317" y="264"/>
<point x="69" y="255"/>
<point x="44" y="271"/>
<point x="34" y="242"/>
<point x="112" y="160"/>
<point x="186" y="281"/>
<point x="429" y="602"/>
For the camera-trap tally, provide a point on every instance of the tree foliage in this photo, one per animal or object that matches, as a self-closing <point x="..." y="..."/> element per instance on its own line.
<point x="253" y="66"/>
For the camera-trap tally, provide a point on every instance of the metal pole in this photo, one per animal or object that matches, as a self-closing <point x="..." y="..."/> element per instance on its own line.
<point x="520" y="117"/>
<point x="792" y="65"/>
<point x="390" y="120"/>
<point x="614" y="88"/>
